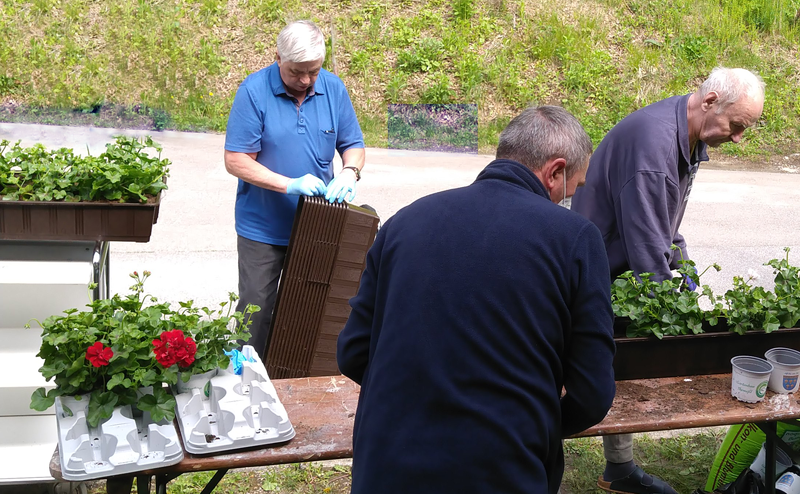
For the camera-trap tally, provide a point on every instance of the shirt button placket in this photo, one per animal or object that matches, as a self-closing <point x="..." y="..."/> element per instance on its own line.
<point x="301" y="122"/>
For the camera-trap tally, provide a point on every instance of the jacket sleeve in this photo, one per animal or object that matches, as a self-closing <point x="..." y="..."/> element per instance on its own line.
<point x="589" y="348"/>
<point x="353" y="344"/>
<point x="645" y="222"/>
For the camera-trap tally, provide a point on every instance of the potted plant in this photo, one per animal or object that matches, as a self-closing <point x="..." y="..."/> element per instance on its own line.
<point x="664" y="335"/>
<point x="664" y="308"/>
<point x="58" y="195"/>
<point x="124" y="344"/>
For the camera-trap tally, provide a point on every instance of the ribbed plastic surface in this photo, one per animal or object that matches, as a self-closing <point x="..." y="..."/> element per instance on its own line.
<point x="32" y="220"/>
<point x="326" y="256"/>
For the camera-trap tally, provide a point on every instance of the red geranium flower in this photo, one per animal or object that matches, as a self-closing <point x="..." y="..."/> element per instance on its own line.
<point x="173" y="348"/>
<point x="99" y="355"/>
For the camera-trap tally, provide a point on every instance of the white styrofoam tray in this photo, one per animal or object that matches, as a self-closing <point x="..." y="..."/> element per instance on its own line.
<point x="230" y="411"/>
<point x="128" y="441"/>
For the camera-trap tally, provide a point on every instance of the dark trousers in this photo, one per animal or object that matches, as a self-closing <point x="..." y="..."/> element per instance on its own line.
<point x="260" y="268"/>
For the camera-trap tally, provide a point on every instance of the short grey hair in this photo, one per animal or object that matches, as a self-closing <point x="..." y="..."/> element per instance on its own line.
<point x="732" y="84"/>
<point x="301" y="41"/>
<point x="541" y="133"/>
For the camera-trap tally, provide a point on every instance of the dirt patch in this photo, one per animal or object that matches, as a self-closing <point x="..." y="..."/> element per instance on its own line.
<point x="779" y="163"/>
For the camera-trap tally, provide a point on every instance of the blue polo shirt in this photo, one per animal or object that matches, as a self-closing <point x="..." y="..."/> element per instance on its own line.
<point x="290" y="141"/>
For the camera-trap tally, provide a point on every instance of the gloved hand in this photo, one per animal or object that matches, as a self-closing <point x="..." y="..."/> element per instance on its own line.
<point x="342" y="187"/>
<point x="689" y="283"/>
<point x="307" y="185"/>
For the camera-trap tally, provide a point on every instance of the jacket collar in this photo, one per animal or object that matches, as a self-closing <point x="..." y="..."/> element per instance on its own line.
<point x="513" y="172"/>
<point x="701" y="150"/>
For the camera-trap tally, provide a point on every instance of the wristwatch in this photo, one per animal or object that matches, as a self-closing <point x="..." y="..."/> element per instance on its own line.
<point x="355" y="169"/>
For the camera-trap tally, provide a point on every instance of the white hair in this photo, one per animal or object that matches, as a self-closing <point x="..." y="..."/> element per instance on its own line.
<point x="301" y="41"/>
<point x="731" y="84"/>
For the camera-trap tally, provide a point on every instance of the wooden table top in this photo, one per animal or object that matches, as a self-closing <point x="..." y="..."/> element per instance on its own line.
<point x="322" y="410"/>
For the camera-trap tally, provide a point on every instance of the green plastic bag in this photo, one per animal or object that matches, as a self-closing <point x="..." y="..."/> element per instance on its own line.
<point x="740" y="447"/>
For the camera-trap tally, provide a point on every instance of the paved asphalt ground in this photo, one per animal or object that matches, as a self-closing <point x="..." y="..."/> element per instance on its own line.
<point x="739" y="219"/>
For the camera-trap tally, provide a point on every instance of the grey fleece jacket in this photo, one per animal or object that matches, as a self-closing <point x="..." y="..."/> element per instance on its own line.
<point x="637" y="186"/>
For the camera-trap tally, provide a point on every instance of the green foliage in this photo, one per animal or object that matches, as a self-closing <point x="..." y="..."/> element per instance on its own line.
<point x="754" y="308"/>
<point x="125" y="172"/>
<point x="663" y="308"/>
<point x="692" y="48"/>
<point x="266" y="10"/>
<point x="463" y="10"/>
<point x="187" y="57"/>
<point x="787" y="290"/>
<point x="395" y="87"/>
<point x="750" y="307"/>
<point x="437" y="90"/>
<point x="7" y="85"/>
<point x="426" y="56"/>
<point x="125" y="328"/>
<point x="160" y="405"/>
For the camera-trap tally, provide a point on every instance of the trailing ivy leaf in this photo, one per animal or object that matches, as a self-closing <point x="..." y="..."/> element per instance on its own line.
<point x="118" y="380"/>
<point x="160" y="405"/>
<point x="41" y="400"/>
<point x="101" y="406"/>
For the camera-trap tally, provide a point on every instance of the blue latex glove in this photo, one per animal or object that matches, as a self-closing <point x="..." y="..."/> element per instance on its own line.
<point x="237" y="360"/>
<point x="307" y="185"/>
<point x="342" y="187"/>
<point x="689" y="283"/>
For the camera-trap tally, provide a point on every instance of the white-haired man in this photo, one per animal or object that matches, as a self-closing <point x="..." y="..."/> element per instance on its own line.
<point x="286" y="123"/>
<point x="636" y="192"/>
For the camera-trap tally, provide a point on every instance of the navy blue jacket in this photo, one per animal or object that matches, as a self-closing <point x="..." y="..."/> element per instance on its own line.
<point x="476" y="306"/>
<point x="637" y="186"/>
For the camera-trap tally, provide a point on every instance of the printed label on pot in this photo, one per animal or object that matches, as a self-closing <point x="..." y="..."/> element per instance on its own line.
<point x="761" y="390"/>
<point x="746" y="388"/>
<point x="789" y="382"/>
<point x="786" y="481"/>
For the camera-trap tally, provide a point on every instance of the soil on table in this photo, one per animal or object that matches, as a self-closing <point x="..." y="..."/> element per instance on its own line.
<point x="693" y="395"/>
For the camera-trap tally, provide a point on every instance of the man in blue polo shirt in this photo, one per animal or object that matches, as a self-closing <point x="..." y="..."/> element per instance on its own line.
<point x="636" y="192"/>
<point x="286" y="123"/>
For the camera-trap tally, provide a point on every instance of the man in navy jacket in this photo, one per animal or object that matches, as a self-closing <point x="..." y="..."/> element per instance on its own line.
<point x="636" y="193"/>
<point x="477" y="307"/>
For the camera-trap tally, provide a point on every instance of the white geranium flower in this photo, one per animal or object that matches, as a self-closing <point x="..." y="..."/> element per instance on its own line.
<point x="753" y="274"/>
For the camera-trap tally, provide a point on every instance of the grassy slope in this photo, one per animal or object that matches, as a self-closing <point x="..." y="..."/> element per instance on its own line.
<point x="600" y="59"/>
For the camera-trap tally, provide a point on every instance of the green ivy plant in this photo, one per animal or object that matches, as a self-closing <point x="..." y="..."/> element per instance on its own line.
<point x="753" y="307"/>
<point x="125" y="173"/>
<point x="787" y="290"/>
<point x="664" y="308"/>
<point x="110" y="351"/>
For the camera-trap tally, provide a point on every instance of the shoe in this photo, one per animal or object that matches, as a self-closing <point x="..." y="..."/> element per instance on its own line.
<point x="637" y="482"/>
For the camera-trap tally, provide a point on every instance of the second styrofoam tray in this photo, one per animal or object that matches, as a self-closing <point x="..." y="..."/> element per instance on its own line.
<point x="230" y="411"/>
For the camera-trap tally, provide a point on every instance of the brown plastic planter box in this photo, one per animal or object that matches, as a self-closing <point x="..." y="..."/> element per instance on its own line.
<point x="327" y="254"/>
<point x="707" y="353"/>
<point x="41" y="220"/>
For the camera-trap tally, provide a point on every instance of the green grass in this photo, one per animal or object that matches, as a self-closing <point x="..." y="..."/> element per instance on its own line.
<point x="683" y="461"/>
<point x="600" y="59"/>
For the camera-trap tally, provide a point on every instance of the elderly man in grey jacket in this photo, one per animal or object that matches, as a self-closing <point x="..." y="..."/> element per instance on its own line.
<point x="636" y="192"/>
